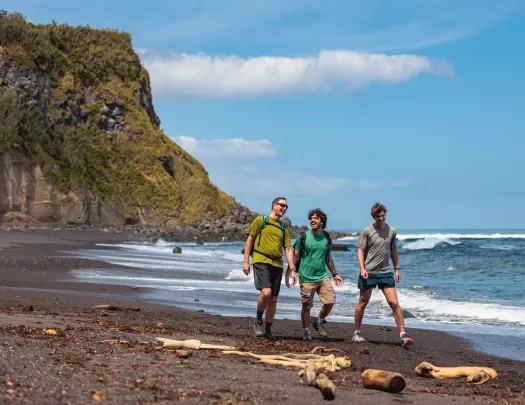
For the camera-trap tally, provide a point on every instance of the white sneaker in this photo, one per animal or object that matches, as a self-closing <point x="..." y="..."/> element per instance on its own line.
<point x="358" y="337"/>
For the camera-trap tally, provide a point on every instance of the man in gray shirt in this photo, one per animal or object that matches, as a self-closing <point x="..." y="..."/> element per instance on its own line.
<point x="375" y="247"/>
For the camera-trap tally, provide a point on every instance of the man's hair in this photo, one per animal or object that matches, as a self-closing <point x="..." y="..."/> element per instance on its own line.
<point x="376" y="209"/>
<point x="276" y="200"/>
<point x="320" y="214"/>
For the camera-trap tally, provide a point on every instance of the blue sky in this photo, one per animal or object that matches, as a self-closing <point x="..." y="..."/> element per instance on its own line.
<point x="418" y="104"/>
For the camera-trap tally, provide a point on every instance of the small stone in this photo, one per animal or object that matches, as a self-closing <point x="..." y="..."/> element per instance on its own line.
<point x="177" y="249"/>
<point x="183" y="354"/>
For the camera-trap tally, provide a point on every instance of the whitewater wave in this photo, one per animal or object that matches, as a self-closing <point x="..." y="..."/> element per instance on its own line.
<point x="427" y="307"/>
<point x="429" y="243"/>
<point x="462" y="236"/>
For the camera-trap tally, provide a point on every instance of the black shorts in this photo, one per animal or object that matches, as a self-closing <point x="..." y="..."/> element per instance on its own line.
<point x="268" y="276"/>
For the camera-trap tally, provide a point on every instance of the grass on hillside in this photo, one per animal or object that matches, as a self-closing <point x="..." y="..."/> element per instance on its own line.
<point x="125" y="168"/>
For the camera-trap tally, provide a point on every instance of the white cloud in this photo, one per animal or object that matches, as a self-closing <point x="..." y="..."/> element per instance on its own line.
<point x="269" y="183"/>
<point x="370" y="184"/>
<point x="402" y="182"/>
<point x="184" y="76"/>
<point x="224" y="149"/>
<point x="306" y="25"/>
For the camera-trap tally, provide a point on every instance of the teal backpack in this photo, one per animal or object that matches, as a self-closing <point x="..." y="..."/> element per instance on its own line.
<point x="265" y="223"/>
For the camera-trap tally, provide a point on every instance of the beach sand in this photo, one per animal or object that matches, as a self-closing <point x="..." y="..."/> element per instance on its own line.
<point x="37" y="292"/>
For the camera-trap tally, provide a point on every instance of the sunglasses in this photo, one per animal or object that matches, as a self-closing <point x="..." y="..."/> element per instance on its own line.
<point x="282" y="205"/>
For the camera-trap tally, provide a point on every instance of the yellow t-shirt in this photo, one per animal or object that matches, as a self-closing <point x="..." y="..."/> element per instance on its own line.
<point x="268" y="245"/>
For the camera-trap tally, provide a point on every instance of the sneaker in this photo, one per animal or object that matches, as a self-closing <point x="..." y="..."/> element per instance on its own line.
<point x="319" y="328"/>
<point x="358" y="337"/>
<point x="258" y="329"/>
<point x="407" y="341"/>
<point x="268" y="335"/>
<point x="307" y="336"/>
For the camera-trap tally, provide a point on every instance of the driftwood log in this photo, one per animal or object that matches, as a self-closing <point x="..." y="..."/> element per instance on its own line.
<point x="114" y="308"/>
<point x="316" y="378"/>
<point x="475" y="375"/>
<point x="323" y="363"/>
<point x="191" y="344"/>
<point x="383" y="380"/>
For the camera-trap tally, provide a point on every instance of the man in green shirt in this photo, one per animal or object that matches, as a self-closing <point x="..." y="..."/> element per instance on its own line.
<point x="315" y="256"/>
<point x="267" y="236"/>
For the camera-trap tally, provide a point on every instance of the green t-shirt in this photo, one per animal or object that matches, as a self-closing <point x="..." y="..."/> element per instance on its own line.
<point x="268" y="245"/>
<point x="313" y="264"/>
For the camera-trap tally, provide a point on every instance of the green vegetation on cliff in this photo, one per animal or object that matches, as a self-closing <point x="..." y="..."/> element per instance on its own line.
<point x="78" y="101"/>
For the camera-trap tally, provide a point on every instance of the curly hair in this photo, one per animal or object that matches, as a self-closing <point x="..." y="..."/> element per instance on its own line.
<point x="377" y="208"/>
<point x="320" y="214"/>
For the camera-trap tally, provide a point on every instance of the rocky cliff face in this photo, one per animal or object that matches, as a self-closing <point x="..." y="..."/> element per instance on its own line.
<point x="24" y="189"/>
<point x="80" y="141"/>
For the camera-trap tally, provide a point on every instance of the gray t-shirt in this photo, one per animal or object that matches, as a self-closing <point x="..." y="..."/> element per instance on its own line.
<point x="377" y="244"/>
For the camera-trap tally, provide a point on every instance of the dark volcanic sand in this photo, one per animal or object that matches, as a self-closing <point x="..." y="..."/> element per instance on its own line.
<point x="68" y="368"/>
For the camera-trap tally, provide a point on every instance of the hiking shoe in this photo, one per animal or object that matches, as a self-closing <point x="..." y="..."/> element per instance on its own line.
<point x="307" y="336"/>
<point x="268" y="335"/>
<point x="258" y="329"/>
<point x="358" y="337"/>
<point x="319" y="328"/>
<point x="407" y="341"/>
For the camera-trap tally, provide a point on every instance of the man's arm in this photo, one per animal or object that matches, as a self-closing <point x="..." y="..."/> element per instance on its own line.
<point x="395" y="260"/>
<point x="361" y="261"/>
<point x="290" y="258"/>
<point x="290" y="272"/>
<point x="247" y="249"/>
<point x="331" y="266"/>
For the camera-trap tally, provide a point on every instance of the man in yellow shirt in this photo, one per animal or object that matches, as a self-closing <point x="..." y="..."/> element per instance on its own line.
<point x="267" y="236"/>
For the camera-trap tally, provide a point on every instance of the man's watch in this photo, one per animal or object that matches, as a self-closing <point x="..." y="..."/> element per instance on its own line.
<point x="396" y="267"/>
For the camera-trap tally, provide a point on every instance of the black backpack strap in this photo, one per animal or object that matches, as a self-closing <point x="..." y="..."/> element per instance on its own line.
<point x="328" y="244"/>
<point x="302" y="244"/>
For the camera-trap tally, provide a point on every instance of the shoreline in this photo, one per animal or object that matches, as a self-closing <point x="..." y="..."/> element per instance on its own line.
<point x="30" y="275"/>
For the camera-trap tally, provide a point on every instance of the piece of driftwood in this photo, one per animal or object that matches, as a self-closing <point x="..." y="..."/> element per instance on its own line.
<point x="114" y="308"/>
<point x="326" y="386"/>
<point x="475" y="375"/>
<point x="326" y="363"/>
<point x="323" y="349"/>
<point x="383" y="380"/>
<point x="316" y="378"/>
<point x="191" y="344"/>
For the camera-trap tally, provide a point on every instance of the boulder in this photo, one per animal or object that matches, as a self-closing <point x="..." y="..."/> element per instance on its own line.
<point x="177" y="249"/>
<point x="340" y="247"/>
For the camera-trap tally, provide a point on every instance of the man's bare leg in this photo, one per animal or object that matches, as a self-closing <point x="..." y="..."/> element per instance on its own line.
<point x="364" y="298"/>
<point x="270" y="309"/>
<point x="325" y="310"/>
<point x="264" y="298"/>
<point x="391" y="298"/>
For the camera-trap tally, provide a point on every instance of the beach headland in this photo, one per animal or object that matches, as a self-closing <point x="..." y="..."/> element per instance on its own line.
<point x="37" y="292"/>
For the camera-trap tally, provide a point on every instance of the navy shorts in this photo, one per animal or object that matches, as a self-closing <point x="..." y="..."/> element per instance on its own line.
<point x="268" y="276"/>
<point x="382" y="280"/>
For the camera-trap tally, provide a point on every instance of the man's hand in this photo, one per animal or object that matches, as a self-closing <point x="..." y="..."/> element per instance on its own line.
<point x="364" y="273"/>
<point x="338" y="280"/>
<point x="398" y="276"/>
<point x="290" y="273"/>
<point x="246" y="268"/>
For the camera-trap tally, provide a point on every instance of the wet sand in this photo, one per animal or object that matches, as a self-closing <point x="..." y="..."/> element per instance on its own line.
<point x="37" y="292"/>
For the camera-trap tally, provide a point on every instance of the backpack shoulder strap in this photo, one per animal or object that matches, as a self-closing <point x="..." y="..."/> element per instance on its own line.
<point x="328" y="245"/>
<point x="328" y="239"/>
<point x="302" y="249"/>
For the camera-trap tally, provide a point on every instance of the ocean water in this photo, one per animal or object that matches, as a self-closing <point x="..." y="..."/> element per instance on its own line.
<point x="470" y="283"/>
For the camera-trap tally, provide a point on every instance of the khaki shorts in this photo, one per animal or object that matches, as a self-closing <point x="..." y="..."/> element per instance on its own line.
<point x="324" y="289"/>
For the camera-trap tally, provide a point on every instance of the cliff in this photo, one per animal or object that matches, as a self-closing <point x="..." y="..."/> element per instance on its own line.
<point x="80" y="142"/>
